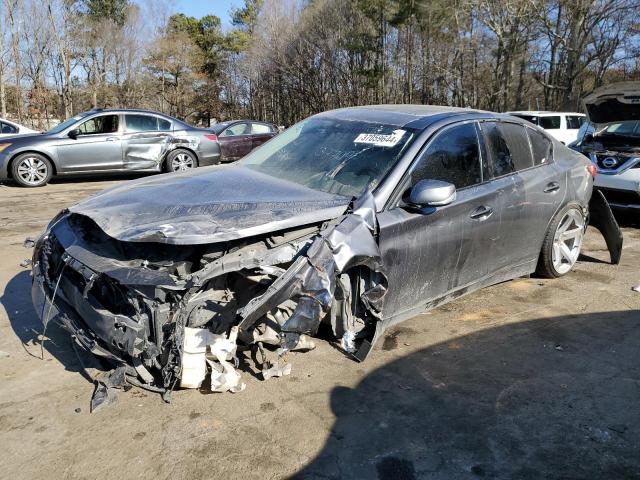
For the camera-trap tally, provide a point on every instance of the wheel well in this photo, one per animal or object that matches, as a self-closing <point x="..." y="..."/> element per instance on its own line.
<point x="183" y="148"/>
<point x="10" y="164"/>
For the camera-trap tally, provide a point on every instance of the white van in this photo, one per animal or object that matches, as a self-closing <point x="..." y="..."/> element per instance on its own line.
<point x="563" y="126"/>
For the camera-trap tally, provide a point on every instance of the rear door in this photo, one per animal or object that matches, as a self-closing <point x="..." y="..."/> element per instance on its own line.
<point x="435" y="250"/>
<point x="145" y="141"/>
<point x="235" y="141"/>
<point x="98" y="146"/>
<point x="260" y="133"/>
<point x="574" y="122"/>
<point x="528" y="192"/>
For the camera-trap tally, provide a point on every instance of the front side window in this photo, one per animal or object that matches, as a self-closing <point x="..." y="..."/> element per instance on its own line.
<point x="141" y="123"/>
<point x="454" y="157"/>
<point x="260" y="129"/>
<point x="549" y="123"/>
<point x="541" y="147"/>
<point x="237" y="129"/>
<point x="6" y="128"/>
<point x="333" y="155"/>
<point x="98" y="125"/>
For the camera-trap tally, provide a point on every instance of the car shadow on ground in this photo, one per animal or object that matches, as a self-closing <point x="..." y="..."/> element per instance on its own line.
<point x="549" y="398"/>
<point x="27" y="326"/>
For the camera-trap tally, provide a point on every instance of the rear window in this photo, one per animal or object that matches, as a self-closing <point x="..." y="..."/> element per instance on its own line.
<point x="141" y="123"/>
<point x="260" y="128"/>
<point x="541" y="147"/>
<point x="549" y="123"/>
<point x="508" y="148"/>
<point x="574" y="122"/>
<point x="6" y="128"/>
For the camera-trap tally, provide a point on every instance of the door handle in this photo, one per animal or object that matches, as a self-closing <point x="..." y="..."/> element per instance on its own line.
<point x="112" y="139"/>
<point x="481" y="213"/>
<point x="552" y="187"/>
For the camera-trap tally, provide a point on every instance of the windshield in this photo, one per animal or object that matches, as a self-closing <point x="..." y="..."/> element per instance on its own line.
<point x="67" y="123"/>
<point x="333" y="155"/>
<point x="627" y="129"/>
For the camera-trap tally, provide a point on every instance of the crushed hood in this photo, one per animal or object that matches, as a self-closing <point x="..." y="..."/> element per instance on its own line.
<point x="207" y="205"/>
<point x="618" y="102"/>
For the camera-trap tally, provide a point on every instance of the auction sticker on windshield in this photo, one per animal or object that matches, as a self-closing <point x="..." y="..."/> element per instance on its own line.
<point x="380" y="140"/>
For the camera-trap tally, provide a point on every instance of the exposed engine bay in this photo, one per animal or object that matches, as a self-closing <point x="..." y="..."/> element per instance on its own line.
<point x="159" y="313"/>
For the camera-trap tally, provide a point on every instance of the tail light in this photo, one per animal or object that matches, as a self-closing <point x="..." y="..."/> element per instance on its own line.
<point x="211" y="136"/>
<point x="591" y="168"/>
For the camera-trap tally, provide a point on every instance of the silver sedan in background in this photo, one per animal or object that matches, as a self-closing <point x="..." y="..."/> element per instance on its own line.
<point x="107" y="141"/>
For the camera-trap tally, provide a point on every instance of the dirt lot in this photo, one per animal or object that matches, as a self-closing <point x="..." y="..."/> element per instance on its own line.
<point x="528" y="379"/>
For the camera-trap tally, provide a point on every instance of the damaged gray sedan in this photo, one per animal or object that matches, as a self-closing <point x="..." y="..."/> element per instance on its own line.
<point x="358" y="218"/>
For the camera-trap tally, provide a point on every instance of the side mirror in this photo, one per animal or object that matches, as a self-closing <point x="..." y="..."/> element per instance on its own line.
<point x="433" y="193"/>
<point x="75" y="133"/>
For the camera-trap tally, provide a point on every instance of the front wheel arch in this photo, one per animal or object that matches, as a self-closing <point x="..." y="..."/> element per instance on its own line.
<point x="16" y="155"/>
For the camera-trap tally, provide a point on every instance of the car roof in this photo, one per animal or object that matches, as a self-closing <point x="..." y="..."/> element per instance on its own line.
<point x="542" y="113"/>
<point x="403" y="115"/>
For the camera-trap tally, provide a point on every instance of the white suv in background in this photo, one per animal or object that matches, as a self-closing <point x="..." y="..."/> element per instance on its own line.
<point x="563" y="126"/>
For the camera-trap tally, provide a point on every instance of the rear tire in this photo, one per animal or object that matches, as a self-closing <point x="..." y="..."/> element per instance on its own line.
<point x="562" y="243"/>
<point x="180" y="160"/>
<point x="31" y="170"/>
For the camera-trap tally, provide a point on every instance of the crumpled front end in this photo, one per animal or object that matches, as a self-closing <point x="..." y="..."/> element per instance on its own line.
<point x="165" y="315"/>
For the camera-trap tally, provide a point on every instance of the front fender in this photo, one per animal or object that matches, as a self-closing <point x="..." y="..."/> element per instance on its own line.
<point x="601" y="217"/>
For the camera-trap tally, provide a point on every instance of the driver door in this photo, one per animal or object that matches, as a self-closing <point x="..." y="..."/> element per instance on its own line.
<point x="431" y="252"/>
<point x="97" y="147"/>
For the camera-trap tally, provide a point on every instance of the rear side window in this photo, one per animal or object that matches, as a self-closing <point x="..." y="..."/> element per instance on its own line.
<point x="6" y="128"/>
<point x="549" y="123"/>
<point x="237" y="129"/>
<point x="164" y="125"/>
<point x="454" y="156"/>
<point x="260" y="129"/>
<point x="574" y="122"/>
<point x="541" y="147"/>
<point x="141" y="123"/>
<point x="508" y="148"/>
<point x="102" y="124"/>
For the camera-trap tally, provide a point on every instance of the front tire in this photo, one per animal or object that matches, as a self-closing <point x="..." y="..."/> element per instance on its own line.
<point x="180" y="160"/>
<point x="562" y="243"/>
<point x="31" y="170"/>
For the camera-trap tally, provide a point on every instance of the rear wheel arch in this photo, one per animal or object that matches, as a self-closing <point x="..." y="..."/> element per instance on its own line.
<point x="165" y="161"/>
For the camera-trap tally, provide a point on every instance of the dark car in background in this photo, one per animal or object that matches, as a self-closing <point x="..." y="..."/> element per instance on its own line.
<point x="107" y="141"/>
<point x="239" y="137"/>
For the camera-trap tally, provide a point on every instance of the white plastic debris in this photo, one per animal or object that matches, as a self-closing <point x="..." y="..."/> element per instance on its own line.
<point x="222" y="350"/>
<point x="348" y="341"/>
<point x="201" y="347"/>
<point x="194" y="348"/>
<point x="636" y="288"/>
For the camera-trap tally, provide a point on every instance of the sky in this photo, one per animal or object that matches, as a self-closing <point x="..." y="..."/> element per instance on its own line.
<point x="200" y="8"/>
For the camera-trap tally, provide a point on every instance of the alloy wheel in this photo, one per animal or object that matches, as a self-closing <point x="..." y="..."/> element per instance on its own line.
<point x="567" y="241"/>
<point x="182" y="161"/>
<point x="33" y="170"/>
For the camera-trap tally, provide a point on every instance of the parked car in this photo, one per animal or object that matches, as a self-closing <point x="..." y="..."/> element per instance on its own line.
<point x="239" y="137"/>
<point x="9" y="128"/>
<point x="611" y="139"/>
<point x="107" y="141"/>
<point x="563" y="126"/>
<point x="359" y="217"/>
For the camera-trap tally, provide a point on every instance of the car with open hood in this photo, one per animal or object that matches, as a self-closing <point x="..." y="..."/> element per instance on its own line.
<point x="359" y="218"/>
<point x="611" y="140"/>
<point x="107" y="141"/>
